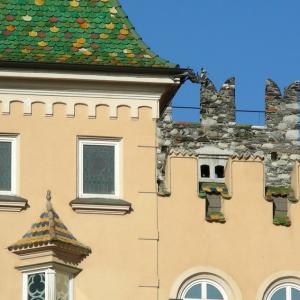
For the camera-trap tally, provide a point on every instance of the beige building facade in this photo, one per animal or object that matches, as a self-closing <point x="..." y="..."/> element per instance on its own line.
<point x="81" y="213"/>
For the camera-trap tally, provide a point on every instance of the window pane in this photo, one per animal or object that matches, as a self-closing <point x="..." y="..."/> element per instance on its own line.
<point x="194" y="292"/>
<point x="213" y="293"/>
<point x="5" y="166"/>
<point x="36" y="286"/>
<point x="279" y="295"/>
<point x="62" y="286"/>
<point x="295" y="294"/>
<point x="98" y="169"/>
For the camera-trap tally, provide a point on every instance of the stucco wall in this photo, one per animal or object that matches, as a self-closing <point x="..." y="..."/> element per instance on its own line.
<point x="47" y="160"/>
<point x="248" y="248"/>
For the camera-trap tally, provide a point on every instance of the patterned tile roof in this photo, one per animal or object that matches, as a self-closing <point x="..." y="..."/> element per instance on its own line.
<point x="49" y="230"/>
<point x="89" y="32"/>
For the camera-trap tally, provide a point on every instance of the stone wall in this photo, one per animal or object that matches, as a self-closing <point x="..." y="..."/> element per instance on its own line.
<point x="278" y="141"/>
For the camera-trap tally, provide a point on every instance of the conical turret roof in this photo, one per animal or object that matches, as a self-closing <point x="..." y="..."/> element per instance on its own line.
<point x="87" y="32"/>
<point x="49" y="231"/>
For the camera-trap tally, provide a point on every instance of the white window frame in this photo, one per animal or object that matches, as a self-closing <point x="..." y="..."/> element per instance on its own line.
<point x="212" y="162"/>
<point x="203" y="283"/>
<point x="13" y="141"/>
<point x="288" y="288"/>
<point x="100" y="142"/>
<point x="25" y="282"/>
<point x="50" y="283"/>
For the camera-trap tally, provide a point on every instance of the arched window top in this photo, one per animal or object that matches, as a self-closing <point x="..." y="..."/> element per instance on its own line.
<point x="205" y="171"/>
<point x="286" y="291"/>
<point x="219" y="171"/>
<point x="205" y="283"/>
<point x="204" y="289"/>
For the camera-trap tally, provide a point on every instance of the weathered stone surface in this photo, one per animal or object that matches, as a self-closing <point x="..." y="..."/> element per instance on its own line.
<point x="295" y="157"/>
<point x="292" y="135"/>
<point x="282" y="126"/>
<point x="291" y="120"/>
<point x="209" y="122"/>
<point x="174" y="132"/>
<point x="278" y="141"/>
<point x="267" y="146"/>
<point x="282" y="162"/>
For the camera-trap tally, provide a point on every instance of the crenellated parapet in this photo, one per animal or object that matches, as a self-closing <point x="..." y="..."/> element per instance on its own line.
<point x="217" y="107"/>
<point x="282" y="110"/>
<point x="278" y="141"/>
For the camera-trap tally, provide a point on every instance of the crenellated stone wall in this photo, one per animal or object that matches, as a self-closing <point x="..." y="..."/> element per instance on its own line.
<point x="217" y="107"/>
<point x="278" y="141"/>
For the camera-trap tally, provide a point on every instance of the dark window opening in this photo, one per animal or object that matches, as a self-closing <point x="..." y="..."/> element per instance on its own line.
<point x="274" y="156"/>
<point x="219" y="171"/>
<point x="205" y="172"/>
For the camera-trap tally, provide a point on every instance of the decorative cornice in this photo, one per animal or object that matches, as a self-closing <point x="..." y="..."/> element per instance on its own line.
<point x="247" y="157"/>
<point x="12" y="203"/>
<point x="90" y="89"/>
<point x="113" y="101"/>
<point x="182" y="152"/>
<point x="101" y="206"/>
<point x="87" y="76"/>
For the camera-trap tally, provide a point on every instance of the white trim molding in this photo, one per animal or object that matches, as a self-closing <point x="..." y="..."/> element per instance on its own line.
<point x="101" y="209"/>
<point x="12" y="203"/>
<point x="90" y="89"/>
<point x="204" y="290"/>
<point x="13" y="158"/>
<point x="87" y="76"/>
<point x="275" y="280"/>
<point x="50" y="273"/>
<point x="112" y="101"/>
<point x="115" y="144"/>
<point x="206" y="273"/>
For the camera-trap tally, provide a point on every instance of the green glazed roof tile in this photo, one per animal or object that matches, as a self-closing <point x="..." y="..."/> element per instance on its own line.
<point x="47" y="230"/>
<point x="213" y="188"/>
<point x="93" y="32"/>
<point x="280" y="191"/>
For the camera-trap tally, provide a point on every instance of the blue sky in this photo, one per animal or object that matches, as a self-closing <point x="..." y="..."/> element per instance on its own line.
<point x="251" y="40"/>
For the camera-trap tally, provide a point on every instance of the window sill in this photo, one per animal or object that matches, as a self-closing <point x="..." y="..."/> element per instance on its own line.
<point x="12" y="203"/>
<point x="208" y="179"/>
<point x="104" y="206"/>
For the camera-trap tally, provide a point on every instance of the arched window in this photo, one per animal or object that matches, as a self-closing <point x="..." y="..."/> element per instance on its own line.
<point x="204" y="290"/>
<point x="286" y="291"/>
<point x="219" y="172"/>
<point x="205" y="172"/>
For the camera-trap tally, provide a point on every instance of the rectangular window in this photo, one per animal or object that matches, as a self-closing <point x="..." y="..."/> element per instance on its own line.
<point x="98" y="168"/>
<point x="7" y="166"/>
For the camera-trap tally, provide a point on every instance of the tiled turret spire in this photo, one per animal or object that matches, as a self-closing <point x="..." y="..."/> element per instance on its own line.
<point x="50" y="232"/>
